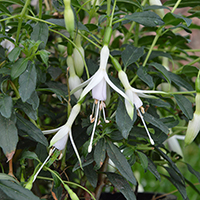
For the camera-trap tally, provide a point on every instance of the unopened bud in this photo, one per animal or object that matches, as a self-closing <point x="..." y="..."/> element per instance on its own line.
<point x="159" y="12"/>
<point x="69" y="17"/>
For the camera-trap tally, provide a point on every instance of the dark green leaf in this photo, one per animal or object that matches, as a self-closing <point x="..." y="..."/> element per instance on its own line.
<point x="192" y="186"/>
<point x="100" y="152"/>
<point x="91" y="175"/>
<point x="142" y="74"/>
<point x="34" y="100"/>
<point x="58" y="22"/>
<point x="131" y="54"/>
<point x="153" y="170"/>
<point x="143" y="159"/>
<point x="54" y="72"/>
<point x="44" y="56"/>
<point x="170" y="122"/>
<point x="40" y="32"/>
<point x="28" y="109"/>
<point x="185" y="105"/>
<point x="177" y="182"/>
<point x="189" y="70"/>
<point x="122" y="185"/>
<point x="14" y="54"/>
<point x="183" y="3"/>
<point x="120" y="162"/>
<point x="55" y="179"/>
<point x="27" y="82"/>
<point x="29" y="155"/>
<point x="4" y="9"/>
<point x="156" y="122"/>
<point x="123" y="120"/>
<point x="163" y="70"/>
<point x="15" y="191"/>
<point x="196" y="173"/>
<point x="8" y="135"/>
<point x="146" y="18"/>
<point x="158" y="102"/>
<point x="31" y="130"/>
<point x="7" y="177"/>
<point x="6" y="106"/>
<point x="19" y="67"/>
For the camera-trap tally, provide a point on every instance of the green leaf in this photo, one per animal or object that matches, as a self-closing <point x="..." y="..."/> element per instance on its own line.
<point x="122" y="185"/>
<point x="163" y="70"/>
<point x="27" y="82"/>
<point x="11" y="190"/>
<point x="142" y="74"/>
<point x="158" y="103"/>
<point x="185" y="105"/>
<point x="7" y="177"/>
<point x="8" y="135"/>
<point x="18" y="67"/>
<point x="14" y="54"/>
<point x="55" y="179"/>
<point x="131" y="54"/>
<point x="153" y="170"/>
<point x="123" y="120"/>
<point x="28" y="109"/>
<point x="31" y="130"/>
<point x="120" y="162"/>
<point x="156" y="122"/>
<point x="91" y="175"/>
<point x="6" y="106"/>
<point x="183" y="3"/>
<point x="40" y="32"/>
<point x="29" y="155"/>
<point x="143" y="159"/>
<point x="4" y="9"/>
<point x="146" y="18"/>
<point x="100" y="152"/>
<point x="177" y="182"/>
<point x="44" y="56"/>
<point x="34" y="100"/>
<point x="192" y="186"/>
<point x="196" y="173"/>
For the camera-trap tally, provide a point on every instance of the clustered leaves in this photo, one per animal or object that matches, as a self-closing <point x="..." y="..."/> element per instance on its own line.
<point x="48" y="48"/>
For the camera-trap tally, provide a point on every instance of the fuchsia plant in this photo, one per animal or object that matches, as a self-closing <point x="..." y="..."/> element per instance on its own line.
<point x="97" y="118"/>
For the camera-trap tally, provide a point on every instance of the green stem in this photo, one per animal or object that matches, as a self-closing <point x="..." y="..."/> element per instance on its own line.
<point x="176" y="5"/>
<point x="22" y="15"/>
<point x="113" y="11"/>
<point x="40" y="9"/>
<point x="108" y="7"/>
<point x="158" y="34"/>
<point x="15" y="89"/>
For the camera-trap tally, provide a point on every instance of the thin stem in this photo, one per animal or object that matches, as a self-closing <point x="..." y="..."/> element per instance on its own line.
<point x="15" y="89"/>
<point x="113" y="11"/>
<point x="40" y="9"/>
<point x="176" y="5"/>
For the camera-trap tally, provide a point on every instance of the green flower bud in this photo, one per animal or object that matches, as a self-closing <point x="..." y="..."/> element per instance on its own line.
<point x="197" y="83"/>
<point x="159" y="12"/>
<point x="107" y="36"/>
<point x="116" y="64"/>
<point x="69" y="17"/>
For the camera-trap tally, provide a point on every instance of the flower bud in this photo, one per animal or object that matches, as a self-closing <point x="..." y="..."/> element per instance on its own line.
<point x="197" y="83"/>
<point x="69" y="17"/>
<point x="7" y="44"/>
<point x="78" y="55"/>
<point x="116" y="64"/>
<point x="107" y="36"/>
<point x="194" y="124"/>
<point x="159" y="12"/>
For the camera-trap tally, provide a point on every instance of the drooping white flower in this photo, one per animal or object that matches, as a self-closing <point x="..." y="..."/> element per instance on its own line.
<point x="98" y="84"/>
<point x="133" y="95"/>
<point x="194" y="124"/>
<point x="7" y="44"/>
<point x="59" y="140"/>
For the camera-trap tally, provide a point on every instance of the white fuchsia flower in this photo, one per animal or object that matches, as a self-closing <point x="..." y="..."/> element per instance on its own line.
<point x="98" y="84"/>
<point x="159" y="12"/>
<point x="7" y="44"/>
<point x="194" y="124"/>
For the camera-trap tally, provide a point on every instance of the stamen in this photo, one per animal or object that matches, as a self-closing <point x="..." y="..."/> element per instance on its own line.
<point x="91" y="116"/>
<point x="94" y="127"/>
<point x="151" y="140"/>
<point x="104" y="116"/>
<point x="43" y="164"/>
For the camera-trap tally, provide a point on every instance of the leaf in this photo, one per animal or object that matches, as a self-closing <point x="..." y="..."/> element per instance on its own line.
<point x="123" y="120"/>
<point x="153" y="170"/>
<point x="142" y="74"/>
<point x="146" y="18"/>
<point x="8" y="135"/>
<point x="6" y="106"/>
<point x="196" y="173"/>
<point x="27" y="82"/>
<point x="44" y="56"/>
<point x="122" y="185"/>
<point x="7" y="177"/>
<point x="91" y="175"/>
<point x="143" y="159"/>
<point x="18" y="67"/>
<point x="163" y="70"/>
<point x="34" y="100"/>
<point x="31" y="130"/>
<point x="120" y="162"/>
<point x="131" y="54"/>
<point x="183" y="3"/>
<point x="14" y="54"/>
<point x="156" y="122"/>
<point x="177" y="182"/>
<point x="15" y="191"/>
<point x="185" y="105"/>
<point x="100" y="152"/>
<point x="29" y="155"/>
<point x="40" y="32"/>
<point x="56" y="179"/>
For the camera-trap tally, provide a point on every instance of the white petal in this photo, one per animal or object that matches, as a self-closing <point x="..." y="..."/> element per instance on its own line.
<point x="104" y="55"/>
<point x="99" y="91"/>
<point x="174" y="145"/>
<point x="137" y="101"/>
<point x="75" y="81"/>
<point x="96" y="78"/>
<point x="52" y="130"/>
<point x="129" y="107"/>
<point x="63" y="132"/>
<point x="60" y="144"/>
